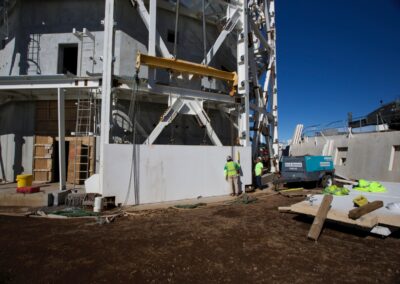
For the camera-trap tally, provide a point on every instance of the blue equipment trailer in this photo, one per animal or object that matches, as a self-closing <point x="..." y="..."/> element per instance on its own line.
<point x="307" y="169"/>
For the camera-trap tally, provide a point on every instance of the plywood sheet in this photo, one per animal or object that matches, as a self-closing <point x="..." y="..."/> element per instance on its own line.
<point x="341" y="206"/>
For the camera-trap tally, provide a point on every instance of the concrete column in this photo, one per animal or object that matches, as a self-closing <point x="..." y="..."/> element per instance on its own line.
<point x="106" y="87"/>
<point x="61" y="137"/>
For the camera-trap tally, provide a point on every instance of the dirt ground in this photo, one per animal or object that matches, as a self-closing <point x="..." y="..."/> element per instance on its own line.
<point x="235" y="243"/>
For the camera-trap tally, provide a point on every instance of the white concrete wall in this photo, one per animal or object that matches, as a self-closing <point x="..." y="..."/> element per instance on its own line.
<point x="368" y="154"/>
<point x="8" y="156"/>
<point x="126" y="49"/>
<point x="170" y="172"/>
<point x="16" y="138"/>
<point x="53" y="21"/>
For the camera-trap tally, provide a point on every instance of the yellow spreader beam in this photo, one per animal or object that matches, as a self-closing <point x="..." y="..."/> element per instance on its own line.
<point x="181" y="66"/>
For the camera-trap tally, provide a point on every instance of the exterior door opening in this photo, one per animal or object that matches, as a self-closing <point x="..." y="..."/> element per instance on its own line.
<point x="68" y="59"/>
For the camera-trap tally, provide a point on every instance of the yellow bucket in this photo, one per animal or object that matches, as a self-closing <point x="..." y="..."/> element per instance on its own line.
<point x="24" y="180"/>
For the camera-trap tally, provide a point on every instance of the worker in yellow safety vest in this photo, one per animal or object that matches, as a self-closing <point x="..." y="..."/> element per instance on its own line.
<point x="258" y="169"/>
<point x="232" y="170"/>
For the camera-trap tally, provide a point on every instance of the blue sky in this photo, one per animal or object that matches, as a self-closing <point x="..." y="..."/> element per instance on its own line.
<point x="335" y="57"/>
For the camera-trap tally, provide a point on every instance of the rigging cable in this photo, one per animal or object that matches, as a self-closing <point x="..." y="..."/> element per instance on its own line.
<point x="176" y="30"/>
<point x="134" y="169"/>
<point x="204" y="33"/>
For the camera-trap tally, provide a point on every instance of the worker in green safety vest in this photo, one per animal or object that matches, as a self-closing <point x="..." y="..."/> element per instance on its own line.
<point x="232" y="170"/>
<point x="258" y="169"/>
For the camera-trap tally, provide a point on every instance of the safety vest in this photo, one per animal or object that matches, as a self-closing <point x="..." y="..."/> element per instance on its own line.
<point x="231" y="169"/>
<point x="258" y="168"/>
<point x="373" y="186"/>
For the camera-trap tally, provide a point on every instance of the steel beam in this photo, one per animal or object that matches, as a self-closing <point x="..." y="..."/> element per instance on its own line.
<point x="260" y="36"/>
<point x="182" y="66"/>
<point x="182" y="92"/>
<point x="43" y="83"/>
<point x="229" y="26"/>
<point x="170" y="114"/>
<point x="186" y="93"/>
<point x="166" y="119"/>
<point x="205" y="120"/>
<point x="144" y="14"/>
<point x="222" y="111"/>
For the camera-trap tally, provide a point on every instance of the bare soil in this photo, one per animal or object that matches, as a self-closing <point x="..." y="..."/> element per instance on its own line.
<point x="235" y="243"/>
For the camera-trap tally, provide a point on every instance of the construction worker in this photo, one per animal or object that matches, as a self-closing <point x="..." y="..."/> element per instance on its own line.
<point x="232" y="170"/>
<point x="258" y="169"/>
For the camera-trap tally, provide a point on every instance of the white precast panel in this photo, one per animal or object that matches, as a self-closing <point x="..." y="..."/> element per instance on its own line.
<point x="171" y="172"/>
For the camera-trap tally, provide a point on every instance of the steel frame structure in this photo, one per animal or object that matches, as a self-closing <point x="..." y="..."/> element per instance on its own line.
<point x="254" y="24"/>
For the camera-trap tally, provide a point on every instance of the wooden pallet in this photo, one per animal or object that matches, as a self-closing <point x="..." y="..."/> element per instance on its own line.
<point x="43" y="158"/>
<point x="340" y="214"/>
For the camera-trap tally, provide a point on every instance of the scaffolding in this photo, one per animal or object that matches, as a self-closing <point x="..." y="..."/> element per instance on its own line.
<point x="252" y="84"/>
<point x="254" y="92"/>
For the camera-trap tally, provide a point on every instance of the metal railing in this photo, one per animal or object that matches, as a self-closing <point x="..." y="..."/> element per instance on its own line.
<point x="362" y="124"/>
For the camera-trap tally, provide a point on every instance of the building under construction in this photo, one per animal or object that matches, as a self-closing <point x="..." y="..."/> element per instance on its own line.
<point x="141" y="100"/>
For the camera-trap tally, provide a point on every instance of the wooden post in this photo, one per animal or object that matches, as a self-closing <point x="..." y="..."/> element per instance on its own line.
<point x="319" y="219"/>
<point x="360" y="211"/>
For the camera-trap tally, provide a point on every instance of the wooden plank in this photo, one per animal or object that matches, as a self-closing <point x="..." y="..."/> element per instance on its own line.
<point x="43" y="158"/>
<point x="360" y="211"/>
<point x="300" y="192"/>
<point x="42" y="164"/>
<point x="42" y="176"/>
<point x="75" y="148"/>
<point x="285" y="209"/>
<point x="319" y="219"/>
<point x="40" y="151"/>
<point x="304" y="207"/>
<point x="346" y="181"/>
<point x="92" y="155"/>
<point x="43" y="140"/>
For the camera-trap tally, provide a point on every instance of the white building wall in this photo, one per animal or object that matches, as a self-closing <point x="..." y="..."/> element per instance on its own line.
<point x="170" y="172"/>
<point x="368" y="154"/>
<point x="51" y="23"/>
<point x="16" y="139"/>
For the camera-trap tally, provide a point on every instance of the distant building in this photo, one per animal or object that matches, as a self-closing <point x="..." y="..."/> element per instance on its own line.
<point x="367" y="149"/>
